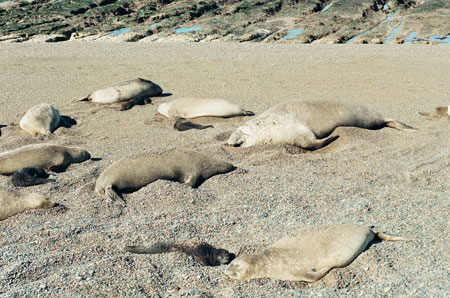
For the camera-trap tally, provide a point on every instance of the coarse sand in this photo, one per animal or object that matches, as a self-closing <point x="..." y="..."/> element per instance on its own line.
<point x="396" y="181"/>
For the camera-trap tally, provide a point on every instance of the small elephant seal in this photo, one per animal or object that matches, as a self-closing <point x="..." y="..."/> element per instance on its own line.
<point x="193" y="107"/>
<point x="53" y="157"/>
<point x="204" y="253"/>
<point x="41" y="119"/>
<point x="14" y="202"/>
<point x="133" y="92"/>
<point x="308" y="256"/>
<point x="307" y="124"/>
<point x="182" y="125"/>
<point x="439" y="113"/>
<point x="30" y="176"/>
<point x="130" y="174"/>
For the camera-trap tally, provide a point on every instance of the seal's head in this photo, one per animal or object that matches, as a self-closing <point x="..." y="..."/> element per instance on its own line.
<point x="239" y="137"/>
<point x="79" y="154"/>
<point x="242" y="268"/>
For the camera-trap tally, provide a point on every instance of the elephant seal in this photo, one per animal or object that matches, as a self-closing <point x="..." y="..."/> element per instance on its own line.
<point x="308" y="256"/>
<point x="30" y="176"/>
<point x="134" y="92"/>
<point x="204" y="253"/>
<point x="130" y="174"/>
<point x="307" y="124"/>
<point x="182" y="125"/>
<point x="41" y="119"/>
<point x="439" y="113"/>
<point x="14" y="202"/>
<point x="193" y="107"/>
<point x="53" y="157"/>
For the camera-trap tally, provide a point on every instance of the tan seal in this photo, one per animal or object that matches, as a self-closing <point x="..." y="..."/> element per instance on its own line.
<point x="439" y="113"/>
<point x="136" y="91"/>
<point x="47" y="156"/>
<point x="14" y="202"/>
<point x="307" y="124"/>
<point x="130" y="174"/>
<point x="41" y="119"/>
<point x="194" y="107"/>
<point x="308" y="256"/>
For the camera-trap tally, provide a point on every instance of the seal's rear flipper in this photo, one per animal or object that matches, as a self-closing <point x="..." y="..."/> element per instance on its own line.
<point x="399" y="125"/>
<point x="86" y="98"/>
<point x="387" y="237"/>
<point x="110" y="193"/>
<point x="249" y="113"/>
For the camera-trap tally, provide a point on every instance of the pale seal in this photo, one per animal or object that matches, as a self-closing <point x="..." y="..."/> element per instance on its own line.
<point x="308" y="256"/>
<point x="14" y="202"/>
<point x="204" y="253"/>
<point x="130" y="174"/>
<point x="137" y="91"/>
<point x="439" y="113"/>
<point x="307" y="124"/>
<point x="53" y="157"/>
<point x="193" y="107"/>
<point x="41" y="119"/>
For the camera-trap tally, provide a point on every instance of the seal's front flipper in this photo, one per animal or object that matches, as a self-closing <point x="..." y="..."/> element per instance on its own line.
<point x="313" y="275"/>
<point x="319" y="143"/>
<point x="135" y="101"/>
<point x="110" y="193"/>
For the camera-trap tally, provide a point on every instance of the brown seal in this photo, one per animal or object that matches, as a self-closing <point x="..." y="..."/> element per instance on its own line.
<point x="14" y="202"/>
<point x="204" y="253"/>
<point x="47" y="156"/>
<point x="127" y="174"/>
<point x="308" y="256"/>
<point x="307" y="124"/>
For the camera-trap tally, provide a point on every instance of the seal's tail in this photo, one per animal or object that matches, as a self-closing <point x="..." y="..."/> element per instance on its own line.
<point x="398" y="125"/>
<point x="387" y="237"/>
<point x="249" y="113"/>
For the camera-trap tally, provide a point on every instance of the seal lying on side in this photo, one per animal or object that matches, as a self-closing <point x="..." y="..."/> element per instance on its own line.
<point x="133" y="173"/>
<point x="307" y="124"/>
<point x="53" y="157"/>
<point x="30" y="176"/>
<point x="14" y="202"/>
<point x="134" y="92"/>
<point x="440" y="112"/>
<point x="41" y="119"/>
<point x="306" y="257"/>
<point x="204" y="253"/>
<point x="182" y="125"/>
<point x="193" y="107"/>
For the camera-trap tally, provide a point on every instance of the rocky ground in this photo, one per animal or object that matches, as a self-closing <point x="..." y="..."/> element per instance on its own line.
<point x="301" y="21"/>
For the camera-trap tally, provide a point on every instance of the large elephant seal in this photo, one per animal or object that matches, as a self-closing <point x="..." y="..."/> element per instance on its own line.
<point x="193" y="107"/>
<point x="14" y="202"/>
<point x="133" y="92"/>
<point x="439" y="113"/>
<point x="308" y="256"/>
<point x="204" y="253"/>
<point x="307" y="124"/>
<point x="41" y="119"/>
<point x="53" y="157"/>
<point x="129" y="174"/>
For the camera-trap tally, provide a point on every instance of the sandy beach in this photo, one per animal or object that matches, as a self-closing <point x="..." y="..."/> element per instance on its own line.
<point x="396" y="181"/>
